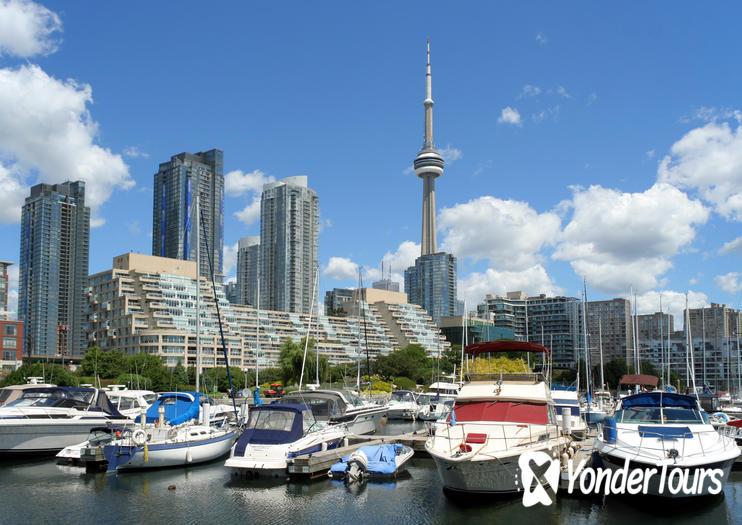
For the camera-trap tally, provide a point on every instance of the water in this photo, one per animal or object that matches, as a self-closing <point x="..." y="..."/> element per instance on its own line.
<point x="40" y="491"/>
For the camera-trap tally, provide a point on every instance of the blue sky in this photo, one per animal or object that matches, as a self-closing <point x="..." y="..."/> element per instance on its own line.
<point x="582" y="139"/>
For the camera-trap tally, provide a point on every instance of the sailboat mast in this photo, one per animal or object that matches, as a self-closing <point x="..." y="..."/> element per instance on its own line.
<point x="463" y="343"/>
<point x="198" y="293"/>
<point x="317" y="325"/>
<point x="257" y="341"/>
<point x="600" y="347"/>
<point x="309" y="331"/>
<point x="703" y="342"/>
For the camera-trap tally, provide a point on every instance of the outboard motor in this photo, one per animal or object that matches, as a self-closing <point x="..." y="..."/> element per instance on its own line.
<point x="357" y="465"/>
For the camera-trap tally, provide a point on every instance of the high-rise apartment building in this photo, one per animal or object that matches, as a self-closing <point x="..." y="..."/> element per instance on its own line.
<point x="717" y="321"/>
<point x="289" y="245"/>
<point x="52" y="288"/>
<point x="612" y="321"/>
<point x="336" y="298"/>
<point x="248" y="266"/>
<point x="655" y="326"/>
<point x="174" y="219"/>
<point x="4" y="288"/>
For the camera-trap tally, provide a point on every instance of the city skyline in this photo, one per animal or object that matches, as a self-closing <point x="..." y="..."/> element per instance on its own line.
<point x="607" y="146"/>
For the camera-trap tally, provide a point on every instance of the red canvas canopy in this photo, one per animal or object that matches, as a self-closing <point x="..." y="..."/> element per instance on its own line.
<point x="638" y="379"/>
<point x="504" y="345"/>
<point x="509" y="411"/>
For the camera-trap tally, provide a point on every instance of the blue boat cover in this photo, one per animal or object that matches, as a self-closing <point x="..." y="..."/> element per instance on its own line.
<point x="566" y="402"/>
<point x="656" y="399"/>
<point x="254" y="435"/>
<point x="179" y="407"/>
<point x="381" y="459"/>
<point x="665" y="432"/>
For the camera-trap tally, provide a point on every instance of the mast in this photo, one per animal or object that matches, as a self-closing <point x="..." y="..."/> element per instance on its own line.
<point x="584" y="337"/>
<point x="600" y="347"/>
<point x="464" y="322"/>
<point x="309" y="331"/>
<point x="317" y="325"/>
<point x="257" y="341"/>
<point x="703" y="339"/>
<point x="198" y="292"/>
<point x="662" y="348"/>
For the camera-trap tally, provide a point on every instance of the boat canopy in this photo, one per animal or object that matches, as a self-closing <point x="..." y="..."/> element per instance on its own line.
<point x="639" y="379"/>
<point x="657" y="399"/>
<point x="504" y="345"/>
<point x="179" y="407"/>
<point x="274" y="424"/>
<point x="500" y="411"/>
<point x="69" y="397"/>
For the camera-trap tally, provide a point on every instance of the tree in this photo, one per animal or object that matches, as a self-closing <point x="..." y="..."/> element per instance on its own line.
<point x="179" y="376"/>
<point x="411" y="361"/>
<point x="152" y="367"/>
<point x="404" y="383"/>
<point x="292" y="357"/>
<point x="52" y="373"/>
<point x="104" y="364"/>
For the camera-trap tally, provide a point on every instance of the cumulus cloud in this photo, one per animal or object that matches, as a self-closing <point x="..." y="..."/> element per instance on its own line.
<point x="541" y="38"/>
<point x="510" y="115"/>
<point x="650" y="154"/>
<point x="12" y="195"/>
<point x="250" y="213"/>
<point x="729" y="282"/>
<point x="533" y="280"/>
<point x="562" y="92"/>
<point x="237" y="182"/>
<point x="341" y="268"/>
<point x="230" y="258"/>
<point x="135" y="153"/>
<point x="672" y="303"/>
<point x="551" y="112"/>
<point x="507" y="233"/>
<point x="529" y="90"/>
<point x="709" y="159"/>
<point x="617" y="240"/>
<point x="450" y="154"/>
<point x="734" y="246"/>
<point x="46" y="129"/>
<point x="28" y="29"/>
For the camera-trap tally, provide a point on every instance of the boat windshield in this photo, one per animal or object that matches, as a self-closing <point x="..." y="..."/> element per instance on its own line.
<point x="661" y="415"/>
<point x="271" y="420"/>
<point x="402" y="396"/>
<point x="54" y="398"/>
<point x="353" y="399"/>
<point x="424" y="399"/>
<point x="4" y="394"/>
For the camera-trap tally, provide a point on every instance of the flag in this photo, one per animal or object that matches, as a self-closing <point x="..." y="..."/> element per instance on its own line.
<point x="452" y="422"/>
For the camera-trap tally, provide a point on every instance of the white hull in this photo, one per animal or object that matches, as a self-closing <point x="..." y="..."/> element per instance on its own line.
<point x="367" y="423"/>
<point x="406" y="412"/>
<point x="24" y="436"/>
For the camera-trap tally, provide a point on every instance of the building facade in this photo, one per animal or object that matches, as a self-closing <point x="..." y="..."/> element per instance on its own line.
<point x="11" y="344"/>
<point x="716" y="321"/>
<point x="431" y="283"/>
<point x="476" y="330"/>
<point x="175" y="222"/>
<point x="4" y="289"/>
<point x="612" y="320"/>
<point x="289" y="245"/>
<point x="53" y="270"/>
<point x="248" y="266"/>
<point x="336" y="298"/>
<point x="655" y="326"/>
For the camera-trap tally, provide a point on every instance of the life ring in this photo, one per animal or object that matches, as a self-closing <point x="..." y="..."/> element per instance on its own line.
<point x="139" y="436"/>
<point x="719" y="417"/>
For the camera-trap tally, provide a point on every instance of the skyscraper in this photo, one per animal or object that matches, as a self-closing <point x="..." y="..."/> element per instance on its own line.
<point x="431" y="283"/>
<point x="248" y="260"/>
<point x="174" y="219"/>
<point x="289" y="245"/>
<point x="52" y="296"/>
<point x="4" y="288"/>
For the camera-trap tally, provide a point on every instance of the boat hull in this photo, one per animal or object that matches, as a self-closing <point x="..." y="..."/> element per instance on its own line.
<point x="493" y="476"/>
<point x="21" y="436"/>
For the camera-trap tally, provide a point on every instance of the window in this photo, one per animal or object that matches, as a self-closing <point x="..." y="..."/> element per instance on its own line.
<point x="8" y="355"/>
<point x="10" y="342"/>
<point x="11" y="329"/>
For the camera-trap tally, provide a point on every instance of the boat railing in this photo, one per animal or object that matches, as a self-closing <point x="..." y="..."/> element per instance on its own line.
<point x="476" y="436"/>
<point x="656" y="445"/>
<point x="521" y="377"/>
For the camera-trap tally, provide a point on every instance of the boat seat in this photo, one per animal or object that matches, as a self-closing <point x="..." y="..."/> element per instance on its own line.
<point x="477" y="439"/>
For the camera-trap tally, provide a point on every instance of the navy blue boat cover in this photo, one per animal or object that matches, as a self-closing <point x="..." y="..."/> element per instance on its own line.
<point x="382" y="459"/>
<point x="260" y="436"/>
<point x="665" y="432"/>
<point x="656" y="399"/>
<point x="179" y="407"/>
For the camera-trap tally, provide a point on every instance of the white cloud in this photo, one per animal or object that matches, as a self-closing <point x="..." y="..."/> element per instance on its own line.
<point x="13" y="291"/>
<point x="533" y="280"/>
<point x="650" y="154"/>
<point x="734" y="246"/>
<point x="510" y="115"/>
<point x="729" y="282"/>
<point x="12" y="194"/>
<point x="529" y="90"/>
<point x="562" y="92"/>
<point x="27" y="29"/>
<point x="237" y="182"/>
<point x="592" y="98"/>
<point x="672" y="302"/>
<point x="507" y="233"/>
<point x="134" y="152"/>
<point x="542" y="115"/>
<point x="709" y="159"/>
<point x="229" y="258"/>
<point x="541" y="38"/>
<point x="46" y="128"/>
<point x="341" y="268"/>
<point x="250" y="213"/>
<point x="450" y="154"/>
<point x="617" y="240"/>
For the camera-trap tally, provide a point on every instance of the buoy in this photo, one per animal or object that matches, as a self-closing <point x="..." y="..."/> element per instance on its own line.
<point x="171" y="487"/>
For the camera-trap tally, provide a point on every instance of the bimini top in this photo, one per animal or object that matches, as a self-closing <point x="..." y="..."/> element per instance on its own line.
<point x="179" y="407"/>
<point x="274" y="424"/>
<point x="659" y="399"/>
<point x="639" y="379"/>
<point x="505" y="345"/>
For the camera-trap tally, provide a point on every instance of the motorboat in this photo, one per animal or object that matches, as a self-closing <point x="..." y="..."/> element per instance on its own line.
<point x="151" y="446"/>
<point x="402" y="405"/>
<point x="432" y="404"/>
<point x="568" y="413"/>
<point x="496" y="418"/>
<point x="44" y="420"/>
<point x="130" y="402"/>
<point x="372" y="462"/>
<point x="10" y="393"/>
<point x="336" y="406"/>
<point x="275" y="434"/>
<point x="661" y="430"/>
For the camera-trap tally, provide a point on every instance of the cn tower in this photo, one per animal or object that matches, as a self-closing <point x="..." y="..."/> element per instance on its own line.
<point x="428" y="166"/>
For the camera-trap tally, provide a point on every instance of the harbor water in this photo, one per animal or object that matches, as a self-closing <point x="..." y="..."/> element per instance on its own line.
<point x="40" y="491"/>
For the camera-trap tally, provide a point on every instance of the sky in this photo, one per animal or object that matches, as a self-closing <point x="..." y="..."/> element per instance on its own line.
<point x="583" y="140"/>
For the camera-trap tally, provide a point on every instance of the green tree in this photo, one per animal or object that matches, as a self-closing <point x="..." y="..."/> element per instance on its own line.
<point x="292" y="357"/>
<point x="52" y="373"/>
<point x="152" y="367"/>
<point x="104" y="364"/>
<point x="411" y="362"/>
<point x="179" y="377"/>
<point x="134" y="381"/>
<point x="404" y="383"/>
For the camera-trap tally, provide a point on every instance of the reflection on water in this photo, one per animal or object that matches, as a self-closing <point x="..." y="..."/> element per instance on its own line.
<point x="38" y="491"/>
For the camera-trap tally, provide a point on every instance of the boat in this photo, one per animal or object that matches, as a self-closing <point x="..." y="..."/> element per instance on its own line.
<point x="432" y="404"/>
<point x="92" y="447"/>
<point x="402" y="405"/>
<point x="180" y="407"/>
<point x="666" y="430"/>
<point x="337" y="406"/>
<point x="130" y="402"/>
<point x="568" y="410"/>
<point x="10" y="393"/>
<point x="148" y="446"/>
<point x="275" y="434"/>
<point x="44" y="420"/>
<point x="496" y="418"/>
<point x="372" y="462"/>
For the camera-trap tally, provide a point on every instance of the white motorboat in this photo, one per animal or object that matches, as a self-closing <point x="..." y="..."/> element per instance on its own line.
<point x="336" y="406"/>
<point x="10" y="393"/>
<point x="277" y="433"/>
<point x="44" y="420"/>
<point x="661" y="430"/>
<point x="433" y="405"/>
<point x="495" y="419"/>
<point x="566" y="403"/>
<point x="372" y="462"/>
<point x="130" y="402"/>
<point x="156" y="446"/>
<point x="402" y="405"/>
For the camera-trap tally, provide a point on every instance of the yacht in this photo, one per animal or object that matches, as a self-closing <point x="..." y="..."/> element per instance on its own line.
<point x="496" y="418"/>
<point x="402" y="405"/>
<point x="130" y="402"/>
<point x="277" y="433"/>
<point x="44" y="420"/>
<point x="566" y="402"/>
<point x="661" y="429"/>
<point x="336" y="406"/>
<point x="433" y="403"/>
<point x="10" y="393"/>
